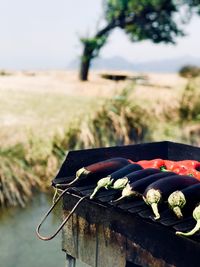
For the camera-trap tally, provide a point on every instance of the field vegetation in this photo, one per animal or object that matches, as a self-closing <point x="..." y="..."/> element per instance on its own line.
<point x="44" y="114"/>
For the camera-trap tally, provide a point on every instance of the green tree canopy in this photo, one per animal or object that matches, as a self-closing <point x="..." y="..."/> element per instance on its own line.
<point x="155" y="20"/>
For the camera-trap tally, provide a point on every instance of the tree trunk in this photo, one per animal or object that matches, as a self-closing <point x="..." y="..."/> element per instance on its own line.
<point x="89" y="50"/>
<point x="85" y="64"/>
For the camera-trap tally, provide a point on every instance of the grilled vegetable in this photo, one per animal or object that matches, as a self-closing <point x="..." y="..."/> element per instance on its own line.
<point x="177" y="166"/>
<point x="181" y="170"/>
<point x="195" y="173"/>
<point x="154" y="163"/>
<point x="107" y="181"/>
<point x="189" y="163"/>
<point x="196" y="216"/>
<point x="132" y="177"/>
<point x="162" y="188"/>
<point x="137" y="188"/>
<point x="169" y="164"/>
<point x="99" y="169"/>
<point x="188" y="197"/>
<point x="184" y="167"/>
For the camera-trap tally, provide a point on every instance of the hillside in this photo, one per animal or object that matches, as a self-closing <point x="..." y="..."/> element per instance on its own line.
<point x="160" y="66"/>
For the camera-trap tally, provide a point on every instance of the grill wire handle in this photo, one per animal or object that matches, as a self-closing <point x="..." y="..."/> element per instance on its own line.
<point x="46" y="238"/>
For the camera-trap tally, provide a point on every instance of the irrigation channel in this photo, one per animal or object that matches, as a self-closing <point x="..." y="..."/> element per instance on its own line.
<point x="19" y="245"/>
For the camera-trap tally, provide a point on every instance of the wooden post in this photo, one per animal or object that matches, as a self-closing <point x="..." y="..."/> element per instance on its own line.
<point x="71" y="262"/>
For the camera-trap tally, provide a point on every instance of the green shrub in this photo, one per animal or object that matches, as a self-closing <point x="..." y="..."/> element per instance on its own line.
<point x="4" y="73"/>
<point x="189" y="71"/>
<point x="190" y="103"/>
<point x="119" y="121"/>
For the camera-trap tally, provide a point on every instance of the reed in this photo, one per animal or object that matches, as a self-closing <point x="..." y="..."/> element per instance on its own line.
<point x="189" y="109"/>
<point x="189" y="112"/>
<point x="17" y="180"/>
<point x="117" y="122"/>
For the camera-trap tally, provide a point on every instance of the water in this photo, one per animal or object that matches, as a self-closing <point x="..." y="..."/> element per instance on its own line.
<point x="19" y="245"/>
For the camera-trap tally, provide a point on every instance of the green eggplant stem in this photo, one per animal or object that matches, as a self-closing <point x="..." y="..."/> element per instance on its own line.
<point x="154" y="207"/>
<point x="75" y="179"/>
<point x="127" y="192"/>
<point x="178" y="212"/>
<point x="152" y="198"/>
<point x="105" y="182"/>
<point x="80" y="173"/>
<point x="196" y="216"/>
<point x="95" y="191"/>
<point x="119" y="199"/>
<point x="120" y="183"/>
<point x="132" y="194"/>
<point x="163" y="169"/>
<point x="176" y="202"/>
<point x="71" y="183"/>
<point x="192" y="232"/>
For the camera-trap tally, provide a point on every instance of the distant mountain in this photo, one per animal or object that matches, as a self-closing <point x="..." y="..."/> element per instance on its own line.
<point x="119" y="63"/>
<point x="167" y="65"/>
<point x="112" y="63"/>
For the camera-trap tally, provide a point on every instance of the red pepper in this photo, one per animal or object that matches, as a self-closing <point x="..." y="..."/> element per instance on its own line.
<point x="194" y="173"/>
<point x="189" y="167"/>
<point x="185" y="167"/>
<point x="189" y="163"/>
<point x="176" y="167"/>
<point x="154" y="163"/>
<point x="180" y="169"/>
<point x="170" y="165"/>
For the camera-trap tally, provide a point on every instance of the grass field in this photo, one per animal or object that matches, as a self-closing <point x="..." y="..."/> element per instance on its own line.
<point x="42" y="103"/>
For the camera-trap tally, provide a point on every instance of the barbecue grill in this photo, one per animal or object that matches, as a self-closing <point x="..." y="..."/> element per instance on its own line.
<point x="101" y="233"/>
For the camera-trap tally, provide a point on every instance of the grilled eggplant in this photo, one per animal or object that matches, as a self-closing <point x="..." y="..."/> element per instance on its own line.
<point x="108" y="181"/>
<point x="196" y="216"/>
<point x="133" y="177"/>
<point x="137" y="188"/>
<point x="99" y="169"/>
<point x="186" y="198"/>
<point x="162" y="188"/>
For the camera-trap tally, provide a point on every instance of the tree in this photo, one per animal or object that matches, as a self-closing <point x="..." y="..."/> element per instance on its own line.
<point x="155" y="20"/>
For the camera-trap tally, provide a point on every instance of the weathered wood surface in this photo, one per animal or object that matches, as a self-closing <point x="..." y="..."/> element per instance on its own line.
<point x="93" y="244"/>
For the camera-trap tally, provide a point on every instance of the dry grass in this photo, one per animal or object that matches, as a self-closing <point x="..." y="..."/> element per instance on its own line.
<point x="16" y="177"/>
<point x="118" y="121"/>
<point x="190" y="102"/>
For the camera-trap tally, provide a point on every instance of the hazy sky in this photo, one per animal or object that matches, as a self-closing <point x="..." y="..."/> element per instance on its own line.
<point x="44" y="34"/>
